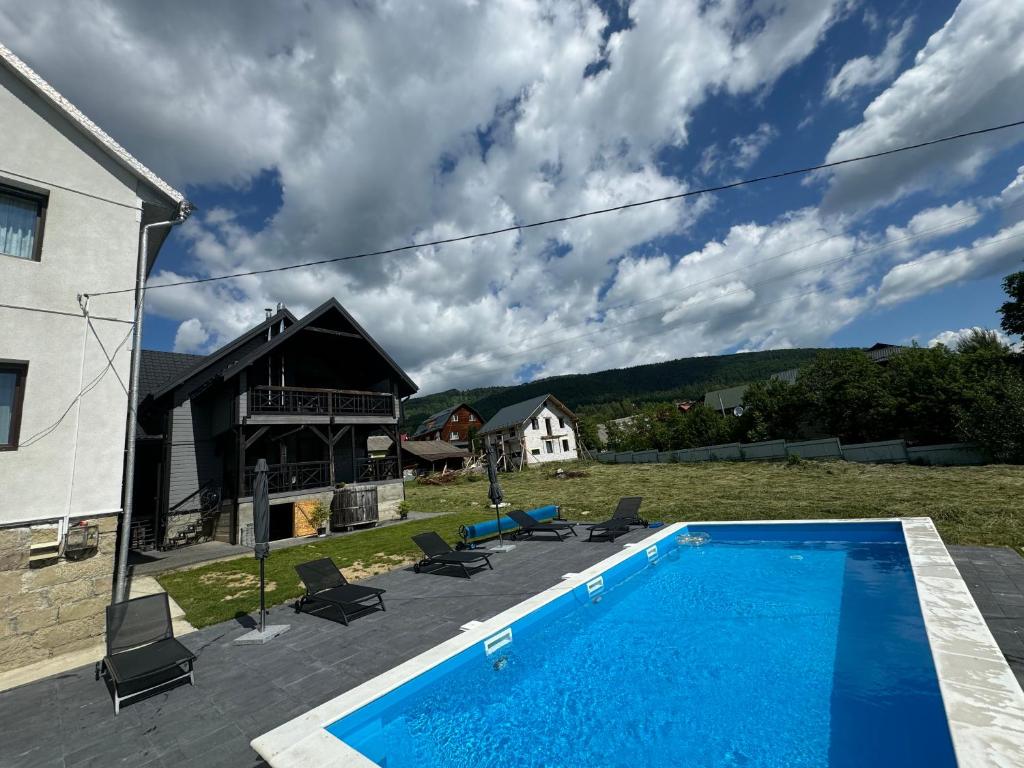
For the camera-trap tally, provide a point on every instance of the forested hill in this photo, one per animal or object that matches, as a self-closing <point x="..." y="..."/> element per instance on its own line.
<point x="614" y="393"/>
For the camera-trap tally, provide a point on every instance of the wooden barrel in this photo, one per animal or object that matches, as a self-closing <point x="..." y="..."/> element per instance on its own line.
<point x="354" y="505"/>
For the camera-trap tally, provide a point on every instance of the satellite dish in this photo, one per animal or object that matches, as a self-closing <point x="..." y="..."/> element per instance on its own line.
<point x="737" y="411"/>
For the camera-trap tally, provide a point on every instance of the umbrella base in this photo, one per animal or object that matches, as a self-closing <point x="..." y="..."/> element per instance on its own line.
<point x="502" y="548"/>
<point x="259" y="638"/>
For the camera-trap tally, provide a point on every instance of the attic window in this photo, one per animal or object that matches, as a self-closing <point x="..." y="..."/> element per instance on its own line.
<point x="22" y="214"/>
<point x="455" y="417"/>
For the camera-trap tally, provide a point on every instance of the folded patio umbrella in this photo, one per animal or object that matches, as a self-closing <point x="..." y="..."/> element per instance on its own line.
<point x="495" y="495"/>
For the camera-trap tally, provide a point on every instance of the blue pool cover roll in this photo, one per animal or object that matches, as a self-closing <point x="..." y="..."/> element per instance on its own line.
<point x="487" y="528"/>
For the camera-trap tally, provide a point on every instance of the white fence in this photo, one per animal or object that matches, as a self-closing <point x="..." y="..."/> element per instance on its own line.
<point x="883" y="452"/>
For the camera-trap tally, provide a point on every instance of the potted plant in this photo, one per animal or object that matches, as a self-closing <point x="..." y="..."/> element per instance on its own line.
<point x="403" y="510"/>
<point x="319" y="514"/>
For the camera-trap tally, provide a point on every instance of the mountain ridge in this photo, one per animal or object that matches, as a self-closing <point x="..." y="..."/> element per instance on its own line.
<point x="609" y="393"/>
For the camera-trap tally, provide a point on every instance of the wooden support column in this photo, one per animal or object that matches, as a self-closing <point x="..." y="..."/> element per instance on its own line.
<point x="239" y="484"/>
<point x="330" y="453"/>
<point x="355" y="469"/>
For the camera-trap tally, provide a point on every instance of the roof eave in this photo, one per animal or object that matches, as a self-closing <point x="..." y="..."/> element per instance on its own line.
<point x="92" y="131"/>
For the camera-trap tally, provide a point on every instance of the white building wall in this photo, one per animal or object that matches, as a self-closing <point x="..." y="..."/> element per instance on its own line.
<point x="535" y="441"/>
<point x="542" y="447"/>
<point x="88" y="245"/>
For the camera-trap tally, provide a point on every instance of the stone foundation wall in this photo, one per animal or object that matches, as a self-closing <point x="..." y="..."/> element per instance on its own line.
<point x="52" y="609"/>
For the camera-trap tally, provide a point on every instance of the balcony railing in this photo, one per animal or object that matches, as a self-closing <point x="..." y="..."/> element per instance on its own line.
<point x="377" y="469"/>
<point x="319" y="402"/>
<point x="294" y="476"/>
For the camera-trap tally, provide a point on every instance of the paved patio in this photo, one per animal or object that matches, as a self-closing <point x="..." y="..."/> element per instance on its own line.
<point x="995" y="576"/>
<point x="243" y="691"/>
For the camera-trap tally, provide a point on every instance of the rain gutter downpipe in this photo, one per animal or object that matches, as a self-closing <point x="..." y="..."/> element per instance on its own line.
<point x="121" y="572"/>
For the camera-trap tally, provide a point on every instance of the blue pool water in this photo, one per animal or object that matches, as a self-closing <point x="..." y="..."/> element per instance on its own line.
<point x="769" y="646"/>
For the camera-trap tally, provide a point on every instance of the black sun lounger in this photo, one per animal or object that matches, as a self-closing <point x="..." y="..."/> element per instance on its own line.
<point x="327" y="586"/>
<point x="142" y="654"/>
<point x="438" y="552"/>
<point x="529" y="526"/>
<point x="627" y="513"/>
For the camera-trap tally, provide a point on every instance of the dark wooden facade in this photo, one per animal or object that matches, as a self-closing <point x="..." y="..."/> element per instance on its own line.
<point x="305" y="395"/>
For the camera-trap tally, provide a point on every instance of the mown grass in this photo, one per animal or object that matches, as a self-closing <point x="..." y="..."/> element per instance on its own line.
<point x="970" y="505"/>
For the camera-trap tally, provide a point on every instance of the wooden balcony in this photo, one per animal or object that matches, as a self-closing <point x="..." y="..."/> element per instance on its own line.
<point x="293" y="476"/>
<point x="279" y="405"/>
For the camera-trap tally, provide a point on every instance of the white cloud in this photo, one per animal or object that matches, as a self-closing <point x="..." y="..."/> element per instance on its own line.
<point x="950" y="338"/>
<point x="967" y="76"/>
<point x="986" y="255"/>
<point x="191" y="337"/>
<point x="933" y="223"/>
<point x="371" y="116"/>
<point x="740" y="153"/>
<point x="867" y="71"/>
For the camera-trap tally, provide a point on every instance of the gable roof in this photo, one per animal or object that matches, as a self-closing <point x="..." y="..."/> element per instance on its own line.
<point x="433" y="450"/>
<point x="222" y="353"/>
<point x="157" y="369"/>
<point x="331" y="304"/>
<point x="74" y="115"/>
<point x="517" y="413"/>
<point x="439" y="419"/>
<point x="727" y="398"/>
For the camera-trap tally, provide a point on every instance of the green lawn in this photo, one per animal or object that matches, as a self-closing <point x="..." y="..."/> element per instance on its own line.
<point x="970" y="505"/>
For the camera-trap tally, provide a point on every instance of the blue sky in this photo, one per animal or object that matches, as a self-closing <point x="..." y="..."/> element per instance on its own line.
<point x="345" y="127"/>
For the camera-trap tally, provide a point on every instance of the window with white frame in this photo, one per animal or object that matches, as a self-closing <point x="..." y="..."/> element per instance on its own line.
<point x="454" y="436"/>
<point x="455" y="417"/>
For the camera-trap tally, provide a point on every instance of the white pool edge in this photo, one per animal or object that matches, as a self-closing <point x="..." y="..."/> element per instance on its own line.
<point x="983" y="701"/>
<point x="984" y="704"/>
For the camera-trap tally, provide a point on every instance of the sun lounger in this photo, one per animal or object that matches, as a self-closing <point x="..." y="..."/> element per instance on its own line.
<point x="627" y="513"/>
<point x="327" y="587"/>
<point x="528" y="526"/>
<point x="142" y="653"/>
<point x="438" y="552"/>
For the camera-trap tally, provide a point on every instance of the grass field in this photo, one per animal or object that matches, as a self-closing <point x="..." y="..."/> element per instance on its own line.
<point x="970" y="505"/>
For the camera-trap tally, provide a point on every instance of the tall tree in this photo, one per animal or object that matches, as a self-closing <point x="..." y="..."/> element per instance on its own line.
<point x="981" y="341"/>
<point x="1013" y="310"/>
<point x="848" y="395"/>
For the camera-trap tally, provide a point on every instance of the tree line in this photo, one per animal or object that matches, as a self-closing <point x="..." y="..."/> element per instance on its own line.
<point x="972" y="393"/>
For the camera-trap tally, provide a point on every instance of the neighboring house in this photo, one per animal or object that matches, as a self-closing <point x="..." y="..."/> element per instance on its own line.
<point x="317" y="398"/>
<point x="453" y="425"/>
<point x="532" y="432"/>
<point x="72" y="204"/>
<point x="420" y="457"/>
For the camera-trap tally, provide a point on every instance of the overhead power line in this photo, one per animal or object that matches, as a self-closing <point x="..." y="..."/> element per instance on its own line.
<point x="575" y="216"/>
<point x="478" y="360"/>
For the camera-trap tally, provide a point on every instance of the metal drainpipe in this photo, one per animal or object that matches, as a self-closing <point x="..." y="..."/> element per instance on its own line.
<point x="121" y="577"/>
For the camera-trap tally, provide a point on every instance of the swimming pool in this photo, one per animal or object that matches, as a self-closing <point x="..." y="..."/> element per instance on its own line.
<point x="768" y="645"/>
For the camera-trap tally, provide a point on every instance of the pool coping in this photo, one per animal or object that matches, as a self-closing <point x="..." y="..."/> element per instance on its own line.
<point x="983" y="702"/>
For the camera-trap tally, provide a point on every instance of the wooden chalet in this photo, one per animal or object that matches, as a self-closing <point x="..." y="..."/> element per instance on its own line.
<point x="317" y="398"/>
<point x="455" y="425"/>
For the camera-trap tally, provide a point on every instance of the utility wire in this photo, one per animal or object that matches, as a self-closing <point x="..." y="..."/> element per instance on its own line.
<point x="575" y="216"/>
<point x="711" y="300"/>
<point x="55" y="185"/>
<point x="758" y="262"/>
<point x="64" y="314"/>
<point x="93" y="383"/>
